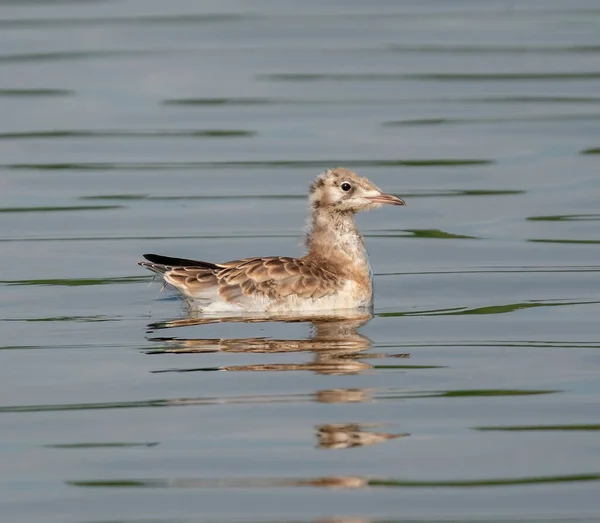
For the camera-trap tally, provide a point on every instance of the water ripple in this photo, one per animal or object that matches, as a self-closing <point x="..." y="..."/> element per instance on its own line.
<point x="352" y="482"/>
<point x="406" y="194"/>
<point x="101" y="445"/>
<point x="491" y="309"/>
<point x="564" y="241"/>
<point x="78" y="282"/>
<point x="566" y="218"/>
<point x="500" y="270"/>
<point x="536" y="428"/>
<point x="218" y="101"/>
<point x="495" y="49"/>
<point x="520" y="99"/>
<point x="35" y="92"/>
<point x="64" y="208"/>
<point x="142" y="133"/>
<point x="499" y="119"/>
<point x="436" y="77"/>
<point x="186" y="19"/>
<point x="78" y="319"/>
<point x="68" y="55"/>
<point x="594" y="150"/>
<point x="275" y="164"/>
<point x="268" y="399"/>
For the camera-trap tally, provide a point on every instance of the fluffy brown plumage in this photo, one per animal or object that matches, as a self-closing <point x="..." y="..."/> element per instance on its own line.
<point x="334" y="273"/>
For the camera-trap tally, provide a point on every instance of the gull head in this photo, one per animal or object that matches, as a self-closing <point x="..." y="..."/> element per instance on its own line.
<point x="342" y="190"/>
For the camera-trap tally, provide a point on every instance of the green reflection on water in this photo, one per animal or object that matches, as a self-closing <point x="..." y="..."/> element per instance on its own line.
<point x="465" y="192"/>
<point x="81" y="319"/>
<point x="300" y="164"/>
<point x="502" y="270"/>
<point x="438" y="77"/>
<point x="381" y="101"/>
<point x="141" y="238"/>
<point x="36" y="92"/>
<point x="566" y="217"/>
<point x="495" y="49"/>
<point x="68" y="55"/>
<point x="498" y="392"/>
<point x="410" y="366"/>
<point x="217" y="101"/>
<point x="531" y="99"/>
<point x="436" y="233"/>
<point x="77" y="282"/>
<point x="324" y="482"/>
<point x="550" y="240"/>
<point x="66" y="208"/>
<point x="595" y="150"/>
<point x="158" y="133"/>
<point x="195" y="197"/>
<point x="116" y="483"/>
<point x="100" y="445"/>
<point x="507" y="119"/>
<point x="492" y="309"/>
<point x="190" y="18"/>
<point x="529" y="428"/>
<point x="436" y="194"/>
<point x="486" y="482"/>
<point x="262" y="399"/>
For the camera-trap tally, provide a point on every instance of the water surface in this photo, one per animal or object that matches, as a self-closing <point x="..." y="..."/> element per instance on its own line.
<point x="194" y="129"/>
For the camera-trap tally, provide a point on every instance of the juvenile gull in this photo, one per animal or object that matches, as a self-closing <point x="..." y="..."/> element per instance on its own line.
<point x="333" y="274"/>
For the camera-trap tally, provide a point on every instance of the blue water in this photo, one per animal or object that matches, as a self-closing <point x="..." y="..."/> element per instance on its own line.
<point x="194" y="129"/>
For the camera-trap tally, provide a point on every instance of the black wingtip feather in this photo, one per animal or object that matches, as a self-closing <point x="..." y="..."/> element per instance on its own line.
<point x="178" y="262"/>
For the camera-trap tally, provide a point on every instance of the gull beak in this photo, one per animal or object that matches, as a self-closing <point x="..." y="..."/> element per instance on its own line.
<point x="389" y="199"/>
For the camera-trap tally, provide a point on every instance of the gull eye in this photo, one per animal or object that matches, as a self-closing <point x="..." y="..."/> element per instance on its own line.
<point x="346" y="187"/>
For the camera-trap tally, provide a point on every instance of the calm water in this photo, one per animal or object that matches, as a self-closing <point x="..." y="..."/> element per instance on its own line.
<point x="194" y="129"/>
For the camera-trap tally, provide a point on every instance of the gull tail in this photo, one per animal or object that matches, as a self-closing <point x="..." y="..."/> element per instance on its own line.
<point x="162" y="264"/>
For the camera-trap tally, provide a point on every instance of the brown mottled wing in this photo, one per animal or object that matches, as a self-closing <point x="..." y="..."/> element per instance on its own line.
<point x="193" y="281"/>
<point x="274" y="278"/>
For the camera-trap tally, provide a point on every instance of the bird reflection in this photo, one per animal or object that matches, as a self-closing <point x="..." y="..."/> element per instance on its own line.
<point x="335" y="342"/>
<point x="349" y="435"/>
<point x="344" y="396"/>
<point x="337" y="348"/>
